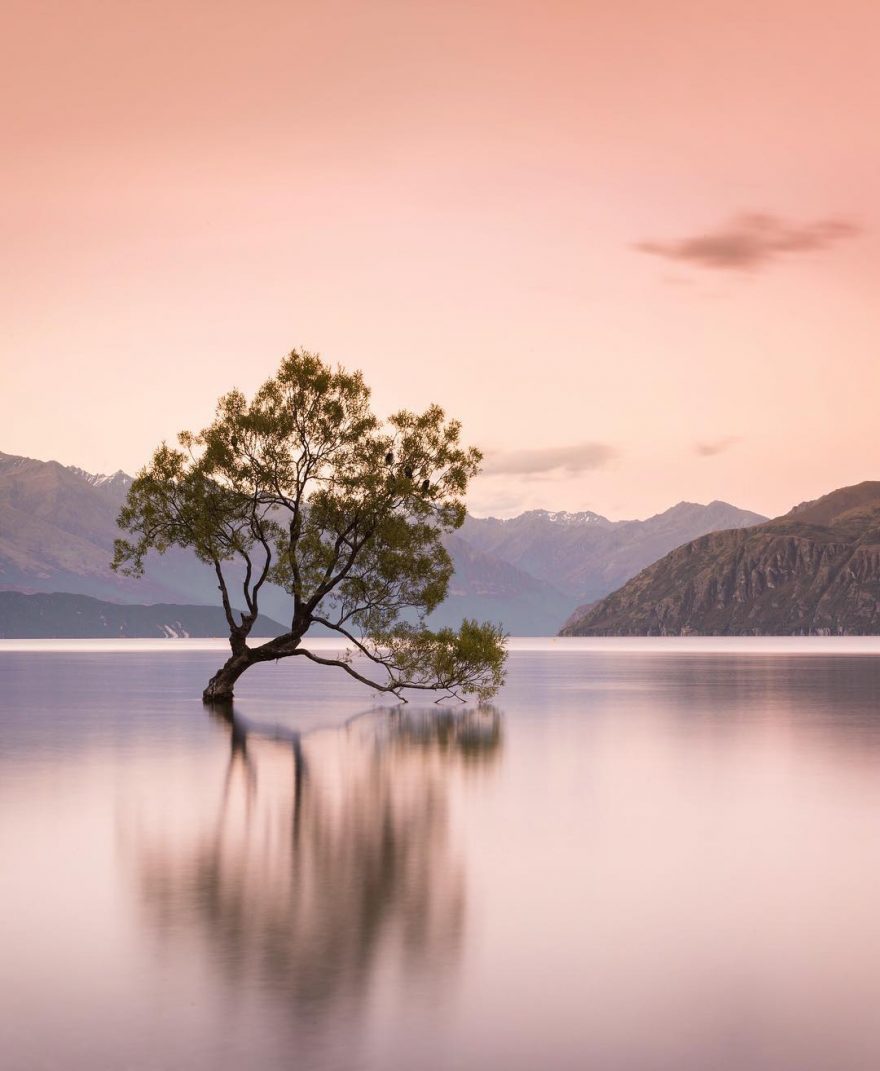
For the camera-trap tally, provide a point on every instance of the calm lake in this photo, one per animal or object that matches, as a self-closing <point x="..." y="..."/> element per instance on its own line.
<point x="648" y="855"/>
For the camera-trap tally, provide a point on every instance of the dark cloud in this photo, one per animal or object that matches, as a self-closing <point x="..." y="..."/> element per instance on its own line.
<point x="751" y="241"/>
<point x="568" y="459"/>
<point x="716" y="446"/>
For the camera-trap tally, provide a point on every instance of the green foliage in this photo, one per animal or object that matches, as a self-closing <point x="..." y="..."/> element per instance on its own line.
<point x="304" y="487"/>
<point x="470" y="659"/>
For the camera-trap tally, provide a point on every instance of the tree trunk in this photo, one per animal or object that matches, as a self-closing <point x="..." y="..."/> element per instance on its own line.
<point x="220" y="686"/>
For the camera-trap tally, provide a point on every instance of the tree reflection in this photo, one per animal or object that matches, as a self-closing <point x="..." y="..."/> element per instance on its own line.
<point x="328" y="858"/>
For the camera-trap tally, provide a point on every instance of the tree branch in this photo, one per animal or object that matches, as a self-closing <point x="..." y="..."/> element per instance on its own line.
<point x="393" y="687"/>
<point x="227" y="606"/>
<point x="352" y="639"/>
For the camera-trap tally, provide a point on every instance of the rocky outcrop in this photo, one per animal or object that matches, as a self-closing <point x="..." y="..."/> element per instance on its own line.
<point x="815" y="571"/>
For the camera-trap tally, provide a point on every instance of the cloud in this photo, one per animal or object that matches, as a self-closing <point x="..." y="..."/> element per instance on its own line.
<point x="568" y="459"/>
<point x="751" y="241"/>
<point x="716" y="446"/>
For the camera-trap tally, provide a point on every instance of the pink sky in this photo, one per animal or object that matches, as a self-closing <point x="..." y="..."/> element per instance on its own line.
<point x="632" y="246"/>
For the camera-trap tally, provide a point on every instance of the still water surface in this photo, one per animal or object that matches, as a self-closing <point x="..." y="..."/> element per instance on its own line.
<point x="649" y="855"/>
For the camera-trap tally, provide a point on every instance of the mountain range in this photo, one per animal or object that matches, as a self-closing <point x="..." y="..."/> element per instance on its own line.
<point x="586" y="555"/>
<point x="58" y="523"/>
<point x="813" y="571"/>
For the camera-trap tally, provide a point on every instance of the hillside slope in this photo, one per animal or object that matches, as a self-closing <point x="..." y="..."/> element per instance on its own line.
<point x="57" y="527"/>
<point x="813" y="571"/>
<point x="65" y="616"/>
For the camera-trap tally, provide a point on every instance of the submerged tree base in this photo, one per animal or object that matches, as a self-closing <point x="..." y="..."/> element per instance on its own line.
<point x="220" y="687"/>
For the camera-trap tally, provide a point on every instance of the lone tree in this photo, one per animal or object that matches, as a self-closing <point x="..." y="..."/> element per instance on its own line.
<point x="305" y="488"/>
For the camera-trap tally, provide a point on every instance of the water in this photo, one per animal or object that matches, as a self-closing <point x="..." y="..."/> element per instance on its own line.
<point x="650" y="855"/>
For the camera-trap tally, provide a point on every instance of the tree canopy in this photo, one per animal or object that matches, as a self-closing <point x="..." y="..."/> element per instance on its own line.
<point x="304" y="487"/>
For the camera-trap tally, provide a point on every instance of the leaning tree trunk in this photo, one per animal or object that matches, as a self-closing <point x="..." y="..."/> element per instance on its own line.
<point x="221" y="685"/>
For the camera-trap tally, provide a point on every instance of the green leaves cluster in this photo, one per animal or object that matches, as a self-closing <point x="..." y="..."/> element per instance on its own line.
<point x="304" y="487"/>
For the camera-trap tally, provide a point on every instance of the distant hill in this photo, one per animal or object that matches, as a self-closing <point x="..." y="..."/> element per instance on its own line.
<point x="64" y="616"/>
<point x="492" y="589"/>
<point x="58" y="523"/>
<point x="586" y="555"/>
<point x="57" y="526"/>
<point x="813" y="571"/>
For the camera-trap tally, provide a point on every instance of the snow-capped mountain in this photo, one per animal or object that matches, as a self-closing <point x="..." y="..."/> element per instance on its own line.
<point x="115" y="484"/>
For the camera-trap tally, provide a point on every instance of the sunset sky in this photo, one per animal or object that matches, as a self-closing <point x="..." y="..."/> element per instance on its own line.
<point x="633" y="246"/>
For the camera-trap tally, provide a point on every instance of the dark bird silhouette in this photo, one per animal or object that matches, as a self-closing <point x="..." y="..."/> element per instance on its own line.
<point x="389" y="458"/>
<point x="408" y="472"/>
<point x="426" y="486"/>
